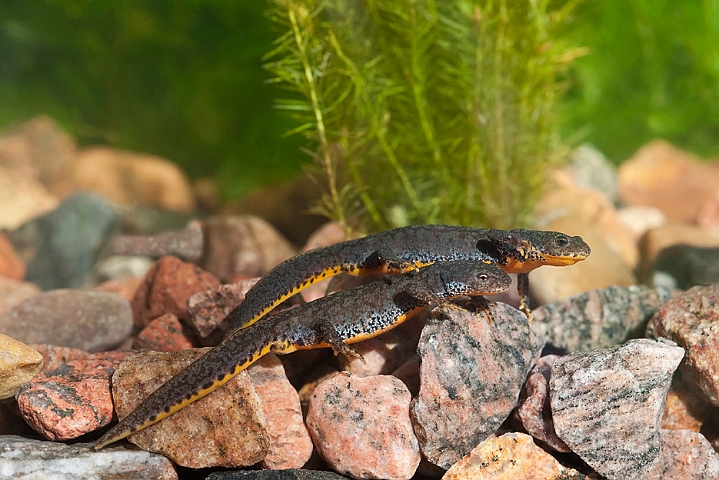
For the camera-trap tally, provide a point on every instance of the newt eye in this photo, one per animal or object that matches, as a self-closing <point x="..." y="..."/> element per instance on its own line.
<point x="483" y="276"/>
<point x="561" y="241"/>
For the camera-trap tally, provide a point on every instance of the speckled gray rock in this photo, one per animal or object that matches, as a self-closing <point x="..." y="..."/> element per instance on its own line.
<point x="591" y="168"/>
<point x="471" y="373"/>
<point x="600" y="318"/>
<point x="185" y="244"/>
<point x="67" y="241"/>
<point x="608" y="404"/>
<point x="22" y="458"/>
<point x="687" y="456"/>
<point x="291" y="474"/>
<point x="86" y="320"/>
<point x="692" y="321"/>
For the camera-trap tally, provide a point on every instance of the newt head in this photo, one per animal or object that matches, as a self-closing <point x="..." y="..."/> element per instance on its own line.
<point x="521" y="251"/>
<point x="472" y="278"/>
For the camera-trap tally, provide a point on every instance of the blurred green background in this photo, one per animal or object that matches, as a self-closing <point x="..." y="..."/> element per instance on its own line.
<point x="184" y="80"/>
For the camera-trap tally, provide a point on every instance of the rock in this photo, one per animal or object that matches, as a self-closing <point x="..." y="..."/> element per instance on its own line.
<point x="11" y="265"/>
<point x="120" y="268"/>
<point x="245" y="246"/>
<point x="691" y="319"/>
<point x="225" y="428"/>
<point x="127" y="178"/>
<point x="22" y="198"/>
<point x="684" y="409"/>
<point x="599" y="318"/>
<point x="686" y="455"/>
<point x="25" y="458"/>
<point x="590" y="168"/>
<point x="685" y="266"/>
<point x="185" y="244"/>
<point x="290" y="444"/>
<point x="408" y="373"/>
<point x="67" y="241"/>
<point x="603" y="268"/>
<point x="637" y="220"/>
<point x="361" y="426"/>
<point x="54" y="356"/>
<point x="90" y="321"/>
<point x="18" y="364"/>
<point x="72" y="400"/>
<point x="291" y="474"/>
<point x="471" y="373"/>
<point x="125" y="288"/>
<point x="167" y="286"/>
<point x="608" y="404"/>
<point x="164" y="334"/>
<point x="513" y="456"/>
<point x="533" y="409"/>
<point x="14" y="292"/>
<point x="674" y="181"/>
<point x="207" y="309"/>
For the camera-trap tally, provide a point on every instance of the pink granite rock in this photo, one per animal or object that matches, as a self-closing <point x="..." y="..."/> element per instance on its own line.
<point x="290" y="444"/>
<point x="361" y="426"/>
<point x="14" y="292"/>
<point x="607" y="405"/>
<point x="72" y="400"/>
<point x="207" y="309"/>
<point x="471" y="373"/>
<point x="164" y="334"/>
<point x="685" y="455"/>
<point x="533" y="409"/>
<point x="691" y="319"/>
<point x="54" y="356"/>
<point x="513" y="456"/>
<point x="11" y="265"/>
<point x="185" y="244"/>
<point x="685" y="410"/>
<point x="90" y="321"/>
<point x="225" y="428"/>
<point x="166" y="287"/>
<point x="242" y="245"/>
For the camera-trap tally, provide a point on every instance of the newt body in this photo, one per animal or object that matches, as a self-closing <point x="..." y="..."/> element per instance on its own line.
<point x="409" y="248"/>
<point x="334" y="321"/>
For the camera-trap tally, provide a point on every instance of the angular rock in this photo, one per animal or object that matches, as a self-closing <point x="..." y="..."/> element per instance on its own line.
<point x="86" y="320"/>
<point x="185" y="244"/>
<point x="533" y="409"/>
<point x="687" y="266"/>
<point x="513" y="456"/>
<point x="67" y="241"/>
<point x="22" y="198"/>
<point x="242" y="246"/>
<point x="164" y="334"/>
<point x="11" y="265"/>
<point x="290" y="444"/>
<point x="685" y="455"/>
<point x="691" y="319"/>
<point x="361" y="426"/>
<point x="26" y="458"/>
<point x="608" y="404"/>
<point x="225" y="428"/>
<point x="72" y="400"/>
<point x="18" y="364"/>
<point x="54" y="356"/>
<point x="599" y="318"/>
<point x="685" y="410"/>
<point x="471" y="373"/>
<point x="14" y="292"/>
<point x="207" y="309"/>
<point x="166" y="287"/>
<point x="291" y="474"/>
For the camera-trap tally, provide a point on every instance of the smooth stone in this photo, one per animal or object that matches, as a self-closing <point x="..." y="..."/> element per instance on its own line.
<point x="225" y="428"/>
<point x="290" y="443"/>
<point x="361" y="426"/>
<point x="608" y="404"/>
<point x="687" y="265"/>
<point x="164" y="334"/>
<point x="290" y="474"/>
<point x="22" y="198"/>
<point x="86" y="320"/>
<point x="599" y="318"/>
<point x="23" y="458"/>
<point x="685" y="455"/>
<point x="14" y="292"/>
<point x="11" y="265"/>
<point x="18" y="364"/>
<point x="691" y="319"/>
<point x="72" y="400"/>
<point x="166" y="288"/>
<point x="208" y="309"/>
<point x="242" y="246"/>
<point x="471" y="372"/>
<point x="185" y="244"/>
<point x="512" y="456"/>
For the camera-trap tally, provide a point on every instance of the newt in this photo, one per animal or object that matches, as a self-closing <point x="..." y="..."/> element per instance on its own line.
<point x="409" y="248"/>
<point x="334" y="321"/>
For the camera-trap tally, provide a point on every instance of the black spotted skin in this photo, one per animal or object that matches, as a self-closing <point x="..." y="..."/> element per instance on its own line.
<point x="350" y="315"/>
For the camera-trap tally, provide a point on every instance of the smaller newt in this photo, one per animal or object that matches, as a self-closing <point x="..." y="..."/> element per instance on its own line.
<point x="343" y="318"/>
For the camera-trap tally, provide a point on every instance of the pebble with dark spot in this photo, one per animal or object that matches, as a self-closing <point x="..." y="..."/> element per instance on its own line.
<point x="207" y="309"/>
<point x="471" y="372"/>
<point x="599" y="319"/>
<point x="86" y="320"/>
<point x="164" y="334"/>
<point x="608" y="404"/>
<point x="186" y="244"/>
<point x="361" y="426"/>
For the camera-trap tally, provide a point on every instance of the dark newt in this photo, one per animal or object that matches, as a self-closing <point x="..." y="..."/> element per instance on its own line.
<point x="334" y="321"/>
<point x="409" y="248"/>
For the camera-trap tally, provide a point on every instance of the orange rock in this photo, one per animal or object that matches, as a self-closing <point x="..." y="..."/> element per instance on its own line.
<point x="684" y="409"/>
<point x="11" y="265"/>
<point x="164" y="334"/>
<point x="126" y="288"/>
